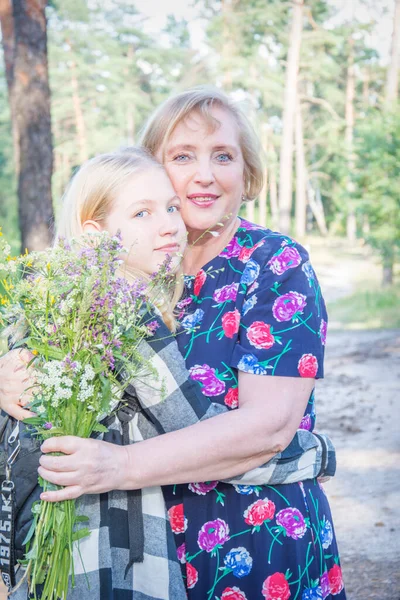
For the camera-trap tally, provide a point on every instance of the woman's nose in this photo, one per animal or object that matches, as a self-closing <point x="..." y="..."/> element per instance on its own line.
<point x="204" y="174"/>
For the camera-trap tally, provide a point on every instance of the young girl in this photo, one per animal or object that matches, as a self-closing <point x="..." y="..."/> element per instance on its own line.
<point x="130" y="554"/>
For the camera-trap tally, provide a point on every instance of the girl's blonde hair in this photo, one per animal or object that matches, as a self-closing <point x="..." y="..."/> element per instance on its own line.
<point x="202" y="99"/>
<point x="90" y="196"/>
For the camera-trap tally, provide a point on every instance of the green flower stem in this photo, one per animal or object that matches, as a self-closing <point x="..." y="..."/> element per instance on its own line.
<point x="210" y="593"/>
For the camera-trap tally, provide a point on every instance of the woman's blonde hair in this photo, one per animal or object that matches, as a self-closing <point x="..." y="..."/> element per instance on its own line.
<point x="90" y="196"/>
<point x="202" y="99"/>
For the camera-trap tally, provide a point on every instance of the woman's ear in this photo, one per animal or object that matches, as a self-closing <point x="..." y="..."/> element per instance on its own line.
<point x="91" y="227"/>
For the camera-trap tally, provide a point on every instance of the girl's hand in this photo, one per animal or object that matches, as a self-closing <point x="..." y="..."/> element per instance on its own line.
<point x="87" y="467"/>
<point x="15" y="379"/>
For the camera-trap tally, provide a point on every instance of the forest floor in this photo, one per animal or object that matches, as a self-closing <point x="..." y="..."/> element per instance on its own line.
<point x="358" y="404"/>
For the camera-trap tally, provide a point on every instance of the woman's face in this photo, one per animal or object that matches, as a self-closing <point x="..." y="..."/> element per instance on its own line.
<point x="206" y="168"/>
<point x="147" y="211"/>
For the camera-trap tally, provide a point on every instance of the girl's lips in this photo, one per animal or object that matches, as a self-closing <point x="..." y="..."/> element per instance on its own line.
<point x="169" y="248"/>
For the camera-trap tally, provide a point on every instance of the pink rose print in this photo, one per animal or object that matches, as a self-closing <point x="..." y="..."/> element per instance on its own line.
<point x="228" y="292"/>
<point x="259" y="335"/>
<point x="230" y="322"/>
<point x="258" y="512"/>
<point x="177" y="519"/>
<point x="232" y="398"/>
<point x="335" y="580"/>
<point x="322" y="331"/>
<point x="199" y="282"/>
<point x="286" y="306"/>
<point x="233" y="594"/>
<point x="192" y="576"/>
<point x="308" y="366"/>
<point x="212" y="534"/>
<point x="212" y="386"/>
<point x="305" y="423"/>
<point x="232" y="249"/>
<point x="324" y="583"/>
<point x="289" y="258"/>
<point x="201" y="489"/>
<point x="292" y="522"/>
<point x="276" y="587"/>
<point x="181" y="553"/>
<point x="246" y="253"/>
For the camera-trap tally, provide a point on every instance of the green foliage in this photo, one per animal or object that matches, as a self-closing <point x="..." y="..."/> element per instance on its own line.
<point x="367" y="309"/>
<point x="377" y="178"/>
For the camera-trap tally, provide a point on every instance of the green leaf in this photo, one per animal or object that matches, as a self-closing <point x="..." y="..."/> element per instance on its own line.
<point x="30" y="533"/>
<point x="99" y="428"/>
<point x="81" y="519"/>
<point x="81" y="533"/>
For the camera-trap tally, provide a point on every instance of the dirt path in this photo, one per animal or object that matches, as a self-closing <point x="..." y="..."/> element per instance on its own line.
<point x="359" y="405"/>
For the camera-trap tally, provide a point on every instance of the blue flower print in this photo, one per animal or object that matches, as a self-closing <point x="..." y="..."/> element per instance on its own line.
<point x="239" y="561"/>
<point x="249" y="364"/>
<point x="326" y="533"/>
<point x="246" y="490"/>
<point x="190" y="321"/>
<point x="249" y="304"/>
<point x="314" y="593"/>
<point x="250" y="273"/>
<point x="309" y="271"/>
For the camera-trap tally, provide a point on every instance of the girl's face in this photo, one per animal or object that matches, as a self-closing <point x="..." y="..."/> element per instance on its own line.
<point x="147" y="211"/>
<point x="206" y="169"/>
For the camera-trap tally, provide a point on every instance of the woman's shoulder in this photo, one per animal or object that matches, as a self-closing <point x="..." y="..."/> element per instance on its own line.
<point x="270" y="248"/>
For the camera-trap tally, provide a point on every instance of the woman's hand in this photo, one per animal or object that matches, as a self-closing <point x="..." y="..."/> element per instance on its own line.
<point x="15" y="381"/>
<point x="88" y="467"/>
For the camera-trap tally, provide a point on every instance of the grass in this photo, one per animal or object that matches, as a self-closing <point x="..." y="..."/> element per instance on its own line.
<point x="367" y="309"/>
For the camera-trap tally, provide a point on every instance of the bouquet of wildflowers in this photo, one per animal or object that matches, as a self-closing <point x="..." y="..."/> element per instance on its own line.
<point x="83" y="322"/>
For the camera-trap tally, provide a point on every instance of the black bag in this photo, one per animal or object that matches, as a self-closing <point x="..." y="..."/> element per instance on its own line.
<point x="19" y="461"/>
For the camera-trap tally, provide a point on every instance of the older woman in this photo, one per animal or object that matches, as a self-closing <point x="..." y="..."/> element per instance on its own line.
<point x="254" y="326"/>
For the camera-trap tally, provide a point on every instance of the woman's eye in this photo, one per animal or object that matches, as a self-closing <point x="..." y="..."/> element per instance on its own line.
<point x="141" y="214"/>
<point x="224" y="157"/>
<point x="181" y="158"/>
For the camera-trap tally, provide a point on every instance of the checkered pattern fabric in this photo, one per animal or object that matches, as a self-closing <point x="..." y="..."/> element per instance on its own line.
<point x="101" y="559"/>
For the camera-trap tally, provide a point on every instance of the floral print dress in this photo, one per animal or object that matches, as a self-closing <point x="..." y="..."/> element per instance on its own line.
<point x="257" y="307"/>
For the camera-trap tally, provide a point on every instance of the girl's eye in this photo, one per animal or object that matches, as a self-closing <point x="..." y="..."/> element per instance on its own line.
<point x="174" y="208"/>
<point x="141" y="214"/>
<point x="224" y="157"/>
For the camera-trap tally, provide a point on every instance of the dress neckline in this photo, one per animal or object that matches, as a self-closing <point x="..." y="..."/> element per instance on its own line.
<point x="190" y="277"/>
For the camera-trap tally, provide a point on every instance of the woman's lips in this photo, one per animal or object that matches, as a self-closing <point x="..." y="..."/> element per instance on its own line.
<point x="202" y="200"/>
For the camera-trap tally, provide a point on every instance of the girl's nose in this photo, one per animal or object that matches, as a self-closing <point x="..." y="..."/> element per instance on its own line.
<point x="169" y="225"/>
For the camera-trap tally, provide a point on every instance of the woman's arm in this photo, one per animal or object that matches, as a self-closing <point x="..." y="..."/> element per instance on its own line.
<point x="15" y="383"/>
<point x="270" y="410"/>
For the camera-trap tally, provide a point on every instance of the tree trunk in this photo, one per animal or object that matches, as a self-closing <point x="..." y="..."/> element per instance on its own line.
<point x="273" y="188"/>
<point x="289" y="110"/>
<point x="79" y="118"/>
<point x="351" y="225"/>
<point x="263" y="199"/>
<point x="8" y="42"/>
<point x="30" y="100"/>
<point x="250" y="212"/>
<point x="392" y="79"/>
<point x="301" y="176"/>
<point x="130" y="110"/>
<point x="228" y="47"/>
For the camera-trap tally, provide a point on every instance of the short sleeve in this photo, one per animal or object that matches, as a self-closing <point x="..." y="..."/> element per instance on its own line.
<point x="283" y="316"/>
